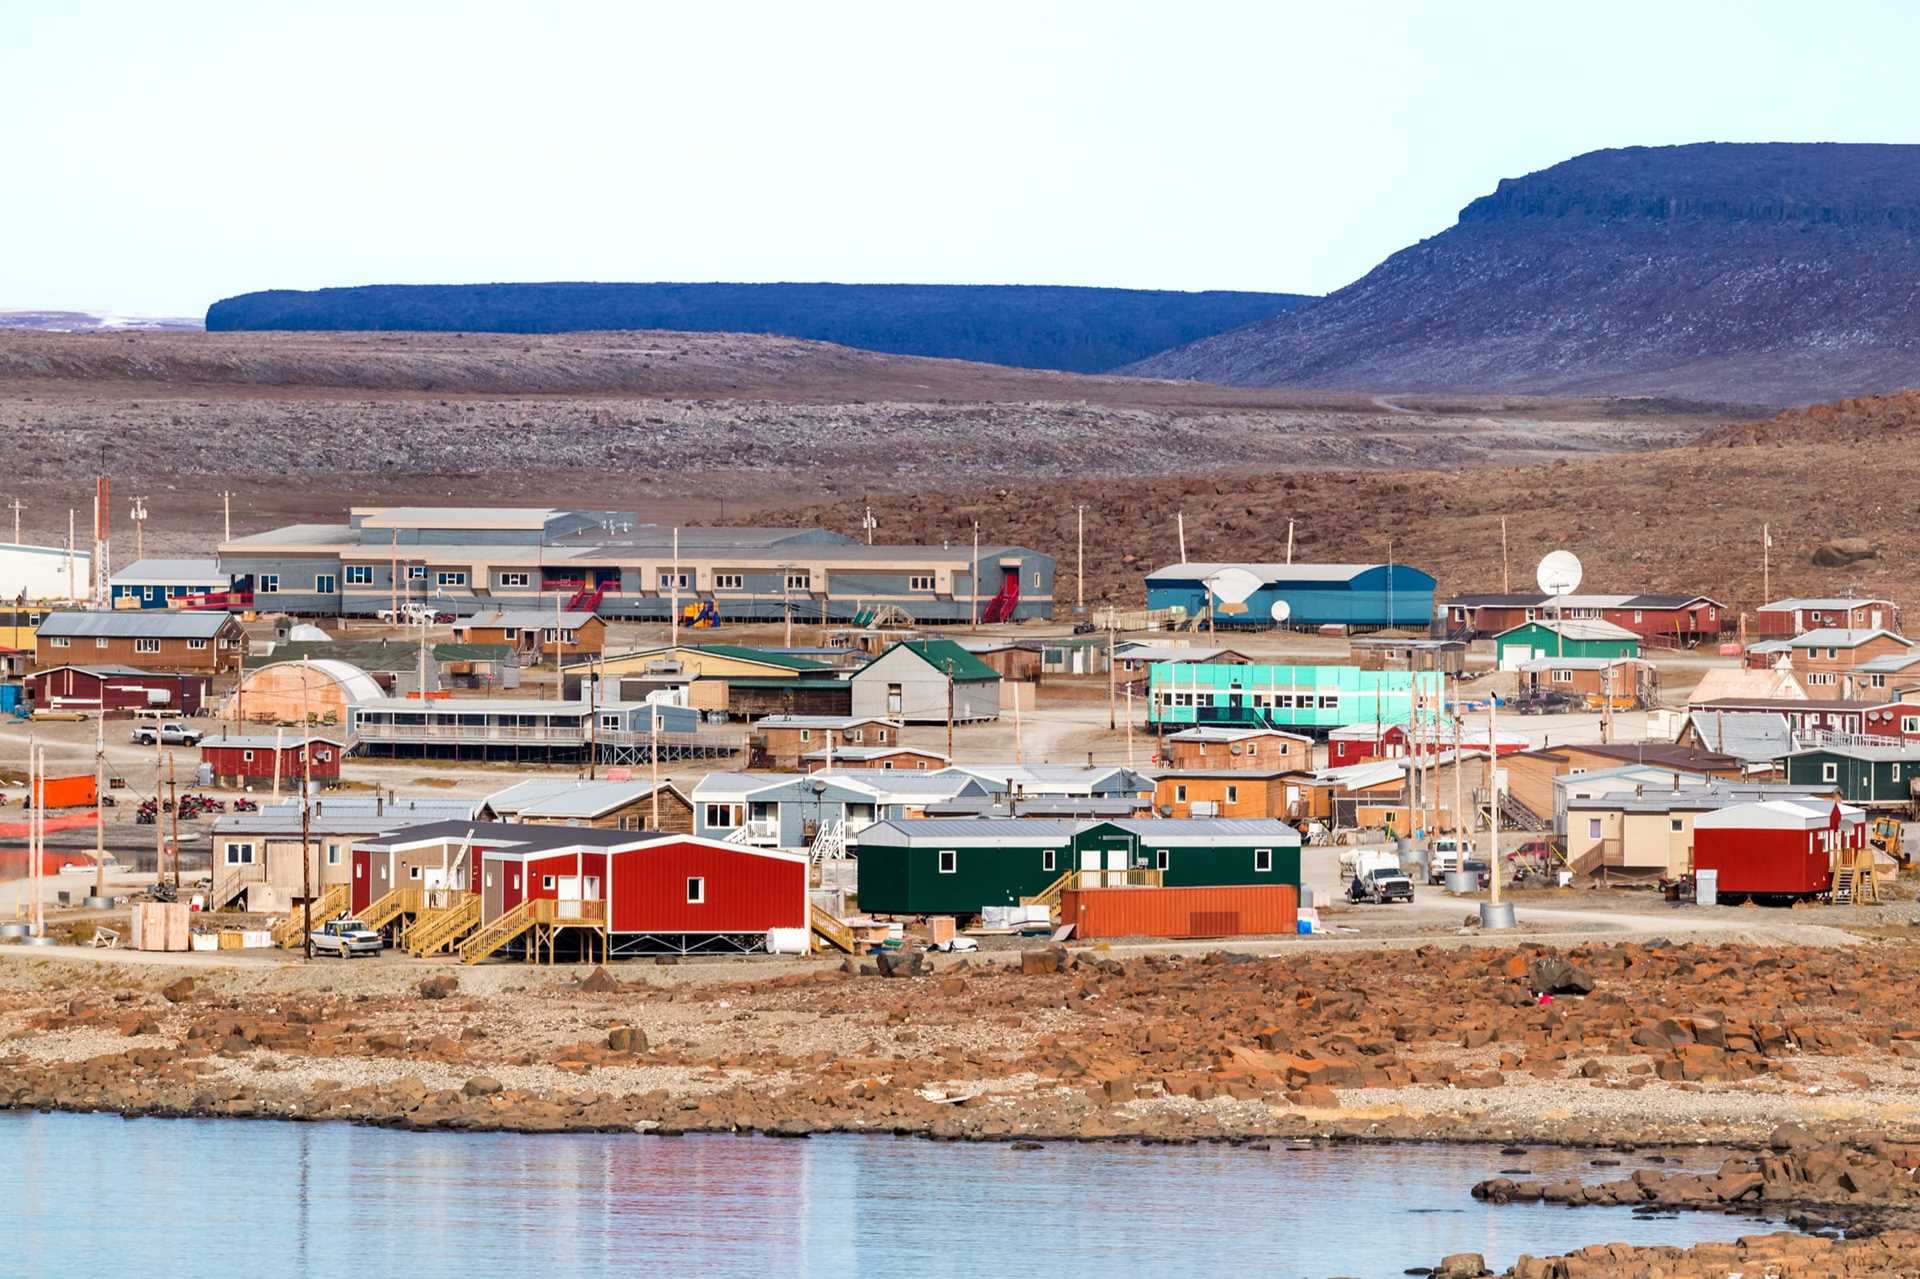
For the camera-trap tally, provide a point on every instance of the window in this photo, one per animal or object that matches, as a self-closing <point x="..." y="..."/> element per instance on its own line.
<point x="1047" y="861"/>
<point x="198" y="646"/>
<point x="672" y="581"/>
<point x="333" y="854"/>
<point x="1896" y="773"/>
<point x="323" y="756"/>
<point x="1593" y="828"/>
<point x="920" y="581"/>
<point x="1829" y="772"/>
<point x="58" y="641"/>
<point x="246" y="757"/>
<point x="1636" y="614"/>
<point x="269" y="584"/>
<point x="1820" y="677"/>
<point x="1329" y="701"/>
<point x="240" y="854"/>
<point x="696" y="890"/>
<point x="722" y="816"/>
<point x="1161" y="858"/>
<point x="1233" y="794"/>
<point x="516" y="883"/>
<point x="1878" y="681"/>
<point x="359" y="575"/>
<point x="1910" y="723"/>
<point x="806" y="734"/>
<point x="1180" y="793"/>
<point x="359" y="872"/>
<point x="416" y="572"/>
<point x="413" y="872"/>
<point x="546" y="882"/>
<point x="611" y="722"/>
<point x="489" y="881"/>
<point x="567" y="635"/>
<point x="1262" y="861"/>
<point x="949" y="861"/>
<point x="450" y="577"/>
<point x="1673" y="824"/>
<point x="516" y="579"/>
<point x="325" y="583"/>
<point x="729" y="581"/>
<point x="1253" y="749"/>
<point x="1563" y="677"/>
<point x="800" y="581"/>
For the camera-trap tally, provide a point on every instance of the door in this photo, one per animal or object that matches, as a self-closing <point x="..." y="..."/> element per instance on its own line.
<point x="1117" y="867"/>
<point x="894" y="699"/>
<point x="572" y="890"/>
<point x="1876" y="619"/>
<point x="1089" y="859"/>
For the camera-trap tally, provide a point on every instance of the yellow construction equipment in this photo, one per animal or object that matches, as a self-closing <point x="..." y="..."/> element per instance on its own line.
<point x="291" y="931"/>
<point x="1886" y="837"/>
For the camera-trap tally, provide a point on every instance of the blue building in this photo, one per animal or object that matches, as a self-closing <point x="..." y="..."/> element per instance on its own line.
<point x="152" y="583"/>
<point x="1361" y="596"/>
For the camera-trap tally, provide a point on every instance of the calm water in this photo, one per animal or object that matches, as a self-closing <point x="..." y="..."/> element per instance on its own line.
<point x="96" y="1195"/>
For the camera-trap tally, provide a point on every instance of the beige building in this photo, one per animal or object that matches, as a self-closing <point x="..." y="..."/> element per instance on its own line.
<point x="256" y="856"/>
<point x="1647" y="834"/>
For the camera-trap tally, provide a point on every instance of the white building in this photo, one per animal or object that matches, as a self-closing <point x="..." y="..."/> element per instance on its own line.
<point x="43" y="573"/>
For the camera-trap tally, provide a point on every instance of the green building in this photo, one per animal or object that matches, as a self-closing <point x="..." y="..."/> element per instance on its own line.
<point x="1572" y="637"/>
<point x="1866" y="776"/>
<point x="1184" y="694"/>
<point x="956" y="866"/>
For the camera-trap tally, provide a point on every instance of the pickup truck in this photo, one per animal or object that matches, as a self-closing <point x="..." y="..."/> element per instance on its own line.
<point x="167" y="734"/>
<point x="1381" y="885"/>
<point x="346" y="938"/>
<point x="1443" y="858"/>
<point x="413" y="615"/>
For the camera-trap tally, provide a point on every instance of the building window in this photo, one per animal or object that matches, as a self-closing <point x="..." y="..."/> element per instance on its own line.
<point x="920" y="581"/>
<point x="1233" y="794"/>
<point x="450" y="577"/>
<point x="516" y="579"/>
<point x="1180" y="793"/>
<point x="246" y="757"/>
<point x="806" y="734"/>
<point x="268" y="584"/>
<point x="800" y="581"/>
<point x="1673" y="824"/>
<point x="416" y="572"/>
<point x="546" y="883"/>
<point x="325" y="583"/>
<point x="729" y="581"/>
<point x="673" y="581"/>
<point x="58" y="641"/>
<point x="1910" y="723"/>
<point x="1253" y="749"/>
<point x="1047" y="861"/>
<point x="198" y="646"/>
<point x="359" y="872"/>
<point x="949" y="861"/>
<point x="1829" y="772"/>
<point x="413" y="872"/>
<point x="1563" y="677"/>
<point x="239" y="854"/>
<point x="359" y="574"/>
<point x="1262" y="861"/>
<point x="333" y="854"/>
<point x="1593" y="828"/>
<point x="101" y="642"/>
<point x="323" y="756"/>
<point x="1161" y="859"/>
<point x="696" y="890"/>
<point x="722" y="816"/>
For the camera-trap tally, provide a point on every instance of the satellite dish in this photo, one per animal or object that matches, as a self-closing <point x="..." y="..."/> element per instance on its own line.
<point x="1233" y="585"/>
<point x="1281" y="610"/>
<point x="1559" y="573"/>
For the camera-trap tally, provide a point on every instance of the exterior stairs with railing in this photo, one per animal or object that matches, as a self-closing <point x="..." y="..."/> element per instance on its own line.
<point x="401" y="901"/>
<point x="1854" y="883"/>
<point x="1050" y="895"/>
<point x="226" y="888"/>
<point x="499" y="931"/>
<point x="290" y="931"/>
<point x="830" y="931"/>
<point x="443" y="927"/>
<point x="829" y="844"/>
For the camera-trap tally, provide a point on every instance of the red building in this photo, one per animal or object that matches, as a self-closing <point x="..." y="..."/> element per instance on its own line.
<point x="1783" y="619"/>
<point x="1900" y="720"/>
<point x="659" y="893"/>
<point x="1684" y="619"/>
<point x="243" y="760"/>
<point x="115" y="689"/>
<point x="1777" y="847"/>
<point x="1358" y="743"/>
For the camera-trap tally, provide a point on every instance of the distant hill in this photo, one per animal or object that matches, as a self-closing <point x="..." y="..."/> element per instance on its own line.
<point x="1039" y="327"/>
<point x="1769" y="273"/>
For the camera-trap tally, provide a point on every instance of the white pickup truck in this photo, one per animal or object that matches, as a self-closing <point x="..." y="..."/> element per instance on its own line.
<point x="171" y="734"/>
<point x="345" y="938"/>
<point x="1444" y="855"/>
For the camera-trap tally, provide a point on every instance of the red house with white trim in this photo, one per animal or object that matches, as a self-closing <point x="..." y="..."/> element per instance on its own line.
<point x="242" y="760"/>
<point x="1358" y="743"/>
<point x="1776" y="847"/>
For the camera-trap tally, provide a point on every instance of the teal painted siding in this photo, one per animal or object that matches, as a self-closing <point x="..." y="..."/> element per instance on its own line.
<point x="1182" y="694"/>
<point x="1534" y="640"/>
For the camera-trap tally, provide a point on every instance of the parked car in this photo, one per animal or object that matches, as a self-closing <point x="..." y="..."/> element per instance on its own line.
<point x="1381" y="884"/>
<point x="1478" y="868"/>
<point x="346" y="938"/>
<point x="169" y="734"/>
<point x="1548" y="703"/>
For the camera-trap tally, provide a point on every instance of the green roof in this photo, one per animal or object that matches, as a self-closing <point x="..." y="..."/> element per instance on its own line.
<point x="747" y="654"/>
<point x="945" y="655"/>
<point x="373" y="655"/>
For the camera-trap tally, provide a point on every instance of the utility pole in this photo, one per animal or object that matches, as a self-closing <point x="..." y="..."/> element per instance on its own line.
<point x="306" y="814"/>
<point x="173" y="816"/>
<point x="139" y="515"/>
<point x="869" y="524"/>
<point x="393" y="574"/>
<point x="1766" y="563"/>
<point x="1505" y="582"/>
<point x="159" y="825"/>
<point x="279" y="745"/>
<point x="226" y="515"/>
<point x="591" y="680"/>
<point x="1493" y="805"/>
<point x="973" y="578"/>
<point x="1180" y="523"/>
<point x="1019" y="755"/>
<point x="73" y="572"/>
<point x="1289" y="541"/>
<point x="18" y="506"/>
<point x="786" y="603"/>
<point x="949" y="710"/>
<point x="1080" y="562"/>
<point x="673" y="608"/>
<point x="99" y="804"/>
<point x="1112" y="673"/>
<point x="1129" y="726"/>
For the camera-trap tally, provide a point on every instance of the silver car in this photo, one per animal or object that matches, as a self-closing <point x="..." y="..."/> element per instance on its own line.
<point x="346" y="938"/>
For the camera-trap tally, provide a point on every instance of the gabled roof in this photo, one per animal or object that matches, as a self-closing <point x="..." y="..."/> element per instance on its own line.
<point x="823" y="721"/>
<point x="768" y="656"/>
<point x="114" y="672"/>
<point x="1134" y="651"/>
<point x="1893" y="753"/>
<point x="1847" y="637"/>
<point x="1576" y="663"/>
<point x="1574" y="628"/>
<point x="1779" y="814"/>
<point x="1692" y="799"/>
<point x="1749" y="735"/>
<point x="267" y="742"/>
<point x="943" y="656"/>
<point x="566" y="797"/>
<point x="1232" y="734"/>
<point x="1836" y="603"/>
<point x="527" y="619"/>
<point x="155" y="572"/>
<point x="1891" y="664"/>
<point x="133" y="624"/>
<point x="1664" y="754"/>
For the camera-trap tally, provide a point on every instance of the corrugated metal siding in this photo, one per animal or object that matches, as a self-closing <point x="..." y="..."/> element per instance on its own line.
<point x="908" y="881"/>
<point x="744" y="893"/>
<point x="1180" y="912"/>
<point x="1763" y="861"/>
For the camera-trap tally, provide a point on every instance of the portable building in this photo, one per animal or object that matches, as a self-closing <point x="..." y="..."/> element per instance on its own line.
<point x="1257" y="749"/>
<point x="1869" y="776"/>
<point x="116" y="688"/>
<point x="1777" y="847"/>
<point x="1301" y="698"/>
<point x="1531" y="641"/>
<point x="601" y="804"/>
<point x="162" y="583"/>
<point x="248" y="759"/>
<point x="256" y="855"/>
<point x="782" y="741"/>
<point x="1786" y="618"/>
<point x="1226" y="792"/>
<point x="541" y="635"/>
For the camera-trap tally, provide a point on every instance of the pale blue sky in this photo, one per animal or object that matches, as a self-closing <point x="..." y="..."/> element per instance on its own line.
<point x="161" y="155"/>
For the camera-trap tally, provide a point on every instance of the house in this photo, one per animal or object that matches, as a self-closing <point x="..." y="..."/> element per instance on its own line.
<point x="256" y="856"/>
<point x="1732" y="682"/>
<point x="1300" y="698"/>
<point x="1768" y="655"/>
<point x="250" y="759"/>
<point x="1672" y="619"/>
<point x="521" y="730"/>
<point x="116" y="688"/>
<point x="960" y="865"/>
<point x="1879" y="676"/>
<point x="1603" y="783"/>
<point x="1258" y="749"/>
<point x="1016" y="660"/>
<point x="1383" y="794"/>
<point x="624" y="892"/>
<point x="1806" y="715"/>
<point x="1531" y="774"/>
<point x="614" y="564"/>
<point x="1077" y="655"/>
<point x="824" y="810"/>
<point x="1827" y="659"/>
<point x="1872" y="777"/>
<point x="1065" y="780"/>
<point x="1898" y="721"/>
<point x="1777" y="848"/>
<point x="1359" y="743"/>
<point x="1060" y="807"/>
<point x="927" y="682"/>
<point x="782" y="741"/>
<point x="1226" y="792"/>
<point x="533" y="634"/>
<point x="1786" y="618"/>
<point x="1134" y="658"/>
<point x="1356" y="596"/>
<point x="1628" y="681"/>
<point x="1649" y="834"/>
<point x="598" y="804"/>
<point x="1530" y="641"/>
<point x="881" y="757"/>
<point x="172" y="584"/>
<point x="1756" y="738"/>
<point x="1393" y="653"/>
<point x="207" y="642"/>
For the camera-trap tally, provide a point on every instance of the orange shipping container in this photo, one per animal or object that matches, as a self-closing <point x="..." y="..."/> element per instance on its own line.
<point x="1233" y="911"/>
<point x="77" y="791"/>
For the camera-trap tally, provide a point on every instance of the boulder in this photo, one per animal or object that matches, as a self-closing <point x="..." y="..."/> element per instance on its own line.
<point x="1841" y="551"/>
<point x="627" y="1039"/>
<point x="482" y="1086"/>
<point x="1462" y="1265"/>
<point x="438" y="987"/>
<point x="1555" y="976"/>
<point x="179" y="991"/>
<point x="900" y="963"/>
<point x="600" y="982"/>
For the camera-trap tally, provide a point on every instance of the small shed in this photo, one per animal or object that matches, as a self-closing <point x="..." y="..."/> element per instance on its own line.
<point x="1530" y="641"/>
<point x="249" y="759"/>
<point x="116" y="689"/>
<point x="925" y="682"/>
<point x="1777" y="847"/>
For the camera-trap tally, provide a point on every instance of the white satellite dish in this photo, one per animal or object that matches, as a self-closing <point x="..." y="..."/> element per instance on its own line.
<point x="1559" y="573"/>
<point x="1232" y="585"/>
<point x="1281" y="610"/>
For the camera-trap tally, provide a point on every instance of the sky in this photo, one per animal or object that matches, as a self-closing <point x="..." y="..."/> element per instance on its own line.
<point x="161" y="155"/>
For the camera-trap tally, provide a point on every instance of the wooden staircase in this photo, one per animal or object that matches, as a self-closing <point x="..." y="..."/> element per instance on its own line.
<point x="443" y="927"/>
<point x="1854" y="883"/>
<point x="289" y="932"/>
<point x="1050" y="895"/>
<point x="829" y="931"/>
<point x="401" y="901"/>
<point x="226" y="888"/>
<point x="497" y="933"/>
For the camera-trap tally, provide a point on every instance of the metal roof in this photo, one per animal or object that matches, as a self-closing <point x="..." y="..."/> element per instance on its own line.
<point x="1746" y="735"/>
<point x="1137" y="652"/>
<point x="1231" y="734"/>
<point x="263" y="741"/>
<point x="1891" y="754"/>
<point x="945" y="657"/>
<point x="514" y="837"/>
<point x="344" y="815"/>
<point x="565" y="797"/>
<point x="1822" y="604"/>
<point x="822" y="721"/>
<point x="1576" y="663"/>
<point x="1779" y="814"/>
<point x="155" y="572"/>
<point x="1575" y="628"/>
<point x="1199" y="830"/>
<point x="1845" y="637"/>
<point x="134" y="624"/>
<point x="1891" y="664"/>
<point x="376" y="655"/>
<point x="970" y="831"/>
<point x="1698" y="799"/>
<point x="526" y="618"/>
